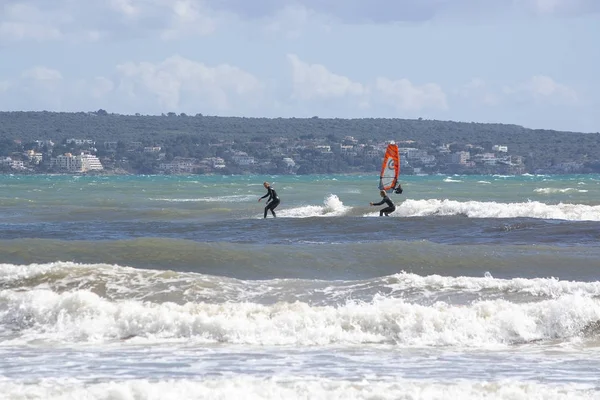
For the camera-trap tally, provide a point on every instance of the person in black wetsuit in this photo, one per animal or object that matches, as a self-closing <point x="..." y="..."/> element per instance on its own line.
<point x="272" y="201"/>
<point x="398" y="189"/>
<point x="390" y="205"/>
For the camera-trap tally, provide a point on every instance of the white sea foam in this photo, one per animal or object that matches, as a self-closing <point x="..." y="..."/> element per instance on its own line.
<point x="139" y="284"/>
<point x="211" y="199"/>
<point x="479" y="209"/>
<point x="558" y="190"/>
<point x="82" y="316"/>
<point x="288" y="387"/>
<point x="547" y="287"/>
<point x="452" y="180"/>
<point x="332" y="207"/>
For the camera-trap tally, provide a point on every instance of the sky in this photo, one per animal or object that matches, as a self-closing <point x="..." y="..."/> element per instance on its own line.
<point x="528" y="62"/>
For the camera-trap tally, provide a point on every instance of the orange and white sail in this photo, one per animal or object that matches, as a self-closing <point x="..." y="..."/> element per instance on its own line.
<point x="390" y="168"/>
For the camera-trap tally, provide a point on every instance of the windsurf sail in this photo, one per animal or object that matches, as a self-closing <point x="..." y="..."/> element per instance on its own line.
<point x="390" y="168"/>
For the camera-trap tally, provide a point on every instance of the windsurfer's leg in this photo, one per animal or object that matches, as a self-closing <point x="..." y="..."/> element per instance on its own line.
<point x="387" y="211"/>
<point x="273" y="206"/>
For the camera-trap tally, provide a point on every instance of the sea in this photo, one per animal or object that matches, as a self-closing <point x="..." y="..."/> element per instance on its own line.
<point x="176" y="287"/>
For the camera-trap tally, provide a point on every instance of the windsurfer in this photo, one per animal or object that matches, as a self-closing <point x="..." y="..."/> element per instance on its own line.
<point x="273" y="200"/>
<point x="398" y="189"/>
<point x="385" y="199"/>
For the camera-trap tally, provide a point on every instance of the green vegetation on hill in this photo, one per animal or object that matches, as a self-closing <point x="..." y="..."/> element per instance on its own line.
<point x="190" y="135"/>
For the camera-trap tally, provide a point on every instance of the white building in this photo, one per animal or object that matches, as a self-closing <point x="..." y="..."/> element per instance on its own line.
<point x="460" y="157"/>
<point x="90" y="163"/>
<point x="179" y="165"/>
<point x="42" y="143"/>
<point x="323" y="148"/>
<point x="486" y="158"/>
<point x="9" y="162"/>
<point x="242" y="158"/>
<point x="34" y="157"/>
<point x="80" y="142"/>
<point x="500" y="149"/>
<point x="214" y="162"/>
<point x="289" y="162"/>
<point x="81" y="163"/>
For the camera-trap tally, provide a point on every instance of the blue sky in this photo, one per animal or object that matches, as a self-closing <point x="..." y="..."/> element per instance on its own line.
<point x="529" y="62"/>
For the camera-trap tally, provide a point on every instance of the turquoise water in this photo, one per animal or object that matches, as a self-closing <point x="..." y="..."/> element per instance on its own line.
<point x="120" y="287"/>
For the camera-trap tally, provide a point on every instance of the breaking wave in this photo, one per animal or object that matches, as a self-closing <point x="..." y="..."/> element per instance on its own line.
<point x="332" y="207"/>
<point x="478" y="209"/>
<point x="68" y="302"/>
<point x="559" y="190"/>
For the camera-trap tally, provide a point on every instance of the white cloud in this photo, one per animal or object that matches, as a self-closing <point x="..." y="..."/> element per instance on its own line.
<point x="77" y="20"/>
<point x="44" y="20"/>
<point x="351" y="11"/>
<point x="188" y="18"/>
<point x="387" y="11"/>
<point x="176" y="84"/>
<point x="38" y="88"/>
<point x="544" y="89"/>
<point x="125" y="7"/>
<point x="560" y="7"/>
<point x="289" y="20"/>
<point x="292" y="21"/>
<point x="23" y="21"/>
<point x="315" y="81"/>
<point x="42" y="74"/>
<point x="406" y="96"/>
<point x="478" y="91"/>
<point x="100" y="87"/>
<point x="179" y="84"/>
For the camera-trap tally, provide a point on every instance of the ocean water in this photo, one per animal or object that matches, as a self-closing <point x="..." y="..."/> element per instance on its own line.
<point x="175" y="287"/>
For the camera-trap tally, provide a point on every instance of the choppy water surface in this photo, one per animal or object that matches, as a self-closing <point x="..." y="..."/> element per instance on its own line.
<point x="176" y="287"/>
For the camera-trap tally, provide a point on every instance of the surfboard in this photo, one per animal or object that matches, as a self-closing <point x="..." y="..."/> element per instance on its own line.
<point x="390" y="168"/>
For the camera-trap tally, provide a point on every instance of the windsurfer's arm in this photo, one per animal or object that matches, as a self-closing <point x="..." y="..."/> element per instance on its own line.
<point x="266" y="195"/>
<point x="378" y="204"/>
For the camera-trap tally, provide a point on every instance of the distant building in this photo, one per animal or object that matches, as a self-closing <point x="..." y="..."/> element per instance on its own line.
<point x="460" y="157"/>
<point x="179" y="165"/>
<point x="323" y="148"/>
<point x="350" y="139"/>
<point x="41" y="143"/>
<point x="500" y="149"/>
<point x="80" y="142"/>
<point x="34" y="157"/>
<point x="486" y="158"/>
<point x="9" y="162"/>
<point x="516" y="160"/>
<point x="443" y="149"/>
<point x="289" y="162"/>
<point x="80" y="163"/>
<point x="214" y="162"/>
<point x="242" y="158"/>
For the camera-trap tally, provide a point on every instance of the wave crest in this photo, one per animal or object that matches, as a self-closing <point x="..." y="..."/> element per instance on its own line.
<point x="82" y="316"/>
<point x="478" y="209"/>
